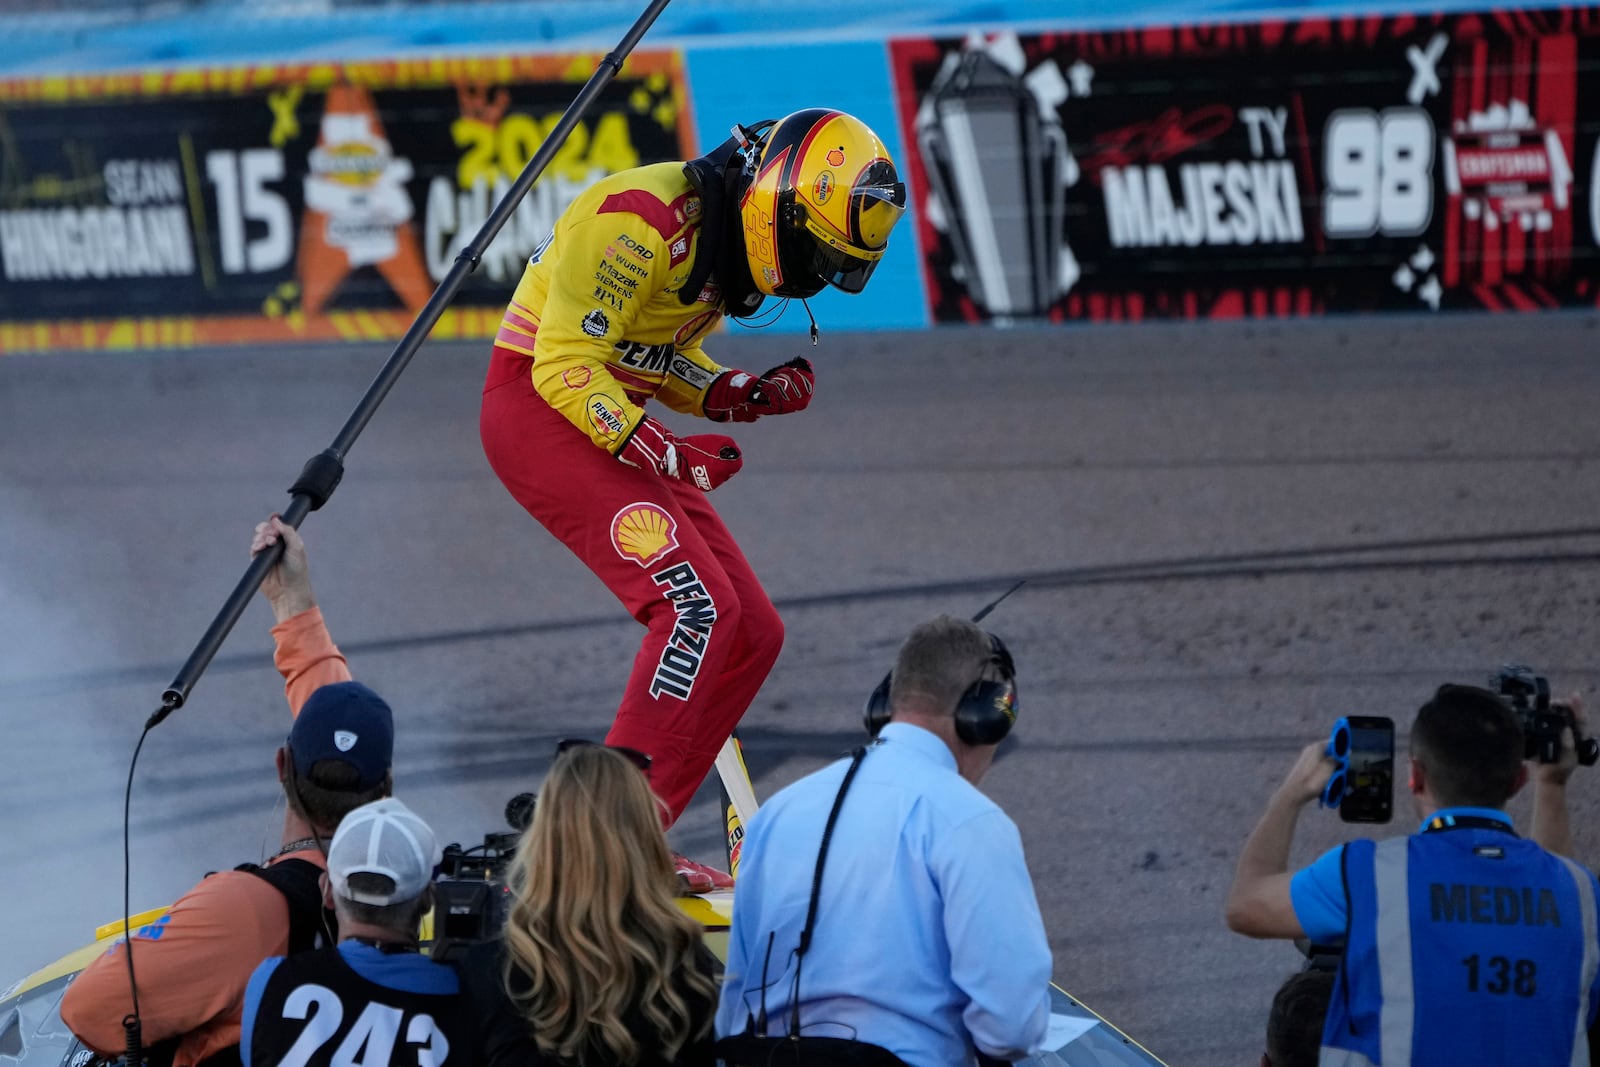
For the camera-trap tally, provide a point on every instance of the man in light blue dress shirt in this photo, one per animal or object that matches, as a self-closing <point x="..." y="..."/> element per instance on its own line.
<point x="928" y="939"/>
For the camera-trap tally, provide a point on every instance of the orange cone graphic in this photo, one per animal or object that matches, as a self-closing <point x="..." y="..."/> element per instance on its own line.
<point x="358" y="212"/>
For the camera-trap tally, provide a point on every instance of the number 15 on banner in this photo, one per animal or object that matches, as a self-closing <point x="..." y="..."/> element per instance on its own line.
<point x="240" y="180"/>
<point x="1378" y="167"/>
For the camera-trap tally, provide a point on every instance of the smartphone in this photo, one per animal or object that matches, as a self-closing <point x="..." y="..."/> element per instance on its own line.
<point x="1369" y="789"/>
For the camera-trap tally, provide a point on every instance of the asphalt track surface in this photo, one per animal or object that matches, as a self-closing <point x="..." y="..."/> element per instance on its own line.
<point x="1232" y="534"/>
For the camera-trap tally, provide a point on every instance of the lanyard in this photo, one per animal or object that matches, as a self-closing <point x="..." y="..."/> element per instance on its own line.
<point x="811" y="908"/>
<point x="1441" y="823"/>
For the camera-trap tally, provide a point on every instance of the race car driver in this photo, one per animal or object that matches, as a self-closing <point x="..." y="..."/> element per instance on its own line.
<point x="611" y="312"/>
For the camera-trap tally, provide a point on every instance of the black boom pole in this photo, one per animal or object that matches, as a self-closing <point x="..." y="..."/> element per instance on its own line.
<point x="322" y="472"/>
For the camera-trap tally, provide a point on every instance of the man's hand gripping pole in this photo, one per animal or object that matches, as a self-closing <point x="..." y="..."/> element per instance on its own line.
<point x="323" y="471"/>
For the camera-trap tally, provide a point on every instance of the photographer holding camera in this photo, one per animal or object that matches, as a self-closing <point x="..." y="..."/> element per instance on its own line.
<point x="373" y="998"/>
<point x="1463" y="943"/>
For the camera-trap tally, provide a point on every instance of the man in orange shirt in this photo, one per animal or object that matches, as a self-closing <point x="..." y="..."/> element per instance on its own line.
<point x="193" y="963"/>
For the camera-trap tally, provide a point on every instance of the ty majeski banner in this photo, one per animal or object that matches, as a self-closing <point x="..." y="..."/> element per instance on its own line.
<point x="1273" y="168"/>
<point x="295" y="202"/>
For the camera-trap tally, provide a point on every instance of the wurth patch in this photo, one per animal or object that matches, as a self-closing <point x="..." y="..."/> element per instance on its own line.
<point x="680" y="661"/>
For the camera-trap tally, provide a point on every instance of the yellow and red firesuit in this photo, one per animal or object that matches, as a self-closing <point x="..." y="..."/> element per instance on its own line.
<point x="601" y="322"/>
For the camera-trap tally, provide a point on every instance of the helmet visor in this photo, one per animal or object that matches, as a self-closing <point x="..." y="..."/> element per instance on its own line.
<point x="839" y="263"/>
<point x="840" y="269"/>
<point x="876" y="203"/>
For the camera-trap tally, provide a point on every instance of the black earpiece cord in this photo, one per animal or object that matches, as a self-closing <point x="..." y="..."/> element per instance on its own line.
<point x="816" y="891"/>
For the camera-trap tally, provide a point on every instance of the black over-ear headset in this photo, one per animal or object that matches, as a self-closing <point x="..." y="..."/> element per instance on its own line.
<point x="986" y="711"/>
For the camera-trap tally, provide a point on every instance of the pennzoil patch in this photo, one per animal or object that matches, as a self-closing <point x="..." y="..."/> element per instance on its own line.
<point x="679" y="665"/>
<point x="605" y="415"/>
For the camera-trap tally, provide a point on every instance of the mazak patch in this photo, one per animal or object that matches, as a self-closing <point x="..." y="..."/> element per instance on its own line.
<point x="644" y="533"/>
<point x="595" y="324"/>
<point x="680" y="660"/>
<point x="605" y="415"/>
<point x="605" y="272"/>
<point x="576" y="377"/>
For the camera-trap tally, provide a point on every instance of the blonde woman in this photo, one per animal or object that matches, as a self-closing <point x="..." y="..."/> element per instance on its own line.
<point x="597" y="965"/>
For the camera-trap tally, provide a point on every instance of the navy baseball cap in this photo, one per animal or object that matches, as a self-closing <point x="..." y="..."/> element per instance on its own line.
<point x="347" y="722"/>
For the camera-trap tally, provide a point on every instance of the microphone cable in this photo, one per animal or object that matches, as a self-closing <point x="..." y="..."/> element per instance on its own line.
<point x="131" y="1027"/>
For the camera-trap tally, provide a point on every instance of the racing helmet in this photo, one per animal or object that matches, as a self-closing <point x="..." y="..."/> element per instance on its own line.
<point x="819" y="197"/>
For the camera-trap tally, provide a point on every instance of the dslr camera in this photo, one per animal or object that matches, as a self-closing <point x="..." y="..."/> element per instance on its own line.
<point x="471" y="897"/>
<point x="1542" y="722"/>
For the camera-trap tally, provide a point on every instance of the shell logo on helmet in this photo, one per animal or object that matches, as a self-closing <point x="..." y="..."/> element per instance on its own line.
<point x="809" y="223"/>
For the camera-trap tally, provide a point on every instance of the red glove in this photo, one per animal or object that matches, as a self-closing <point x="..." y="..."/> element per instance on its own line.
<point x="704" y="460"/>
<point x="737" y="396"/>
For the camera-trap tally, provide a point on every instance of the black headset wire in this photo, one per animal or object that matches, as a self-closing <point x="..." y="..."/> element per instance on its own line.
<point x="133" y="1031"/>
<point x="764" y="319"/>
<point x="816" y="890"/>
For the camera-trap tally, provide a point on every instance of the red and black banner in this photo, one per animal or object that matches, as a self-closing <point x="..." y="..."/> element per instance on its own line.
<point x="293" y="202"/>
<point x="1273" y="168"/>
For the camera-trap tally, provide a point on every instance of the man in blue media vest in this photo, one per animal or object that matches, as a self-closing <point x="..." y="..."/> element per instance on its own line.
<point x="1463" y="943"/>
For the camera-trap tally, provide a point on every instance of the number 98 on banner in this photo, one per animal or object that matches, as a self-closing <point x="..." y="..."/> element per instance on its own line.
<point x="1378" y="172"/>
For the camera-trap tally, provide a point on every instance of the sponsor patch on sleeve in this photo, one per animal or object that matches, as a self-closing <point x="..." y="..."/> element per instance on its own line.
<point x="643" y="532"/>
<point x="595" y="324"/>
<point x="605" y="415"/>
<point x="575" y="377"/>
<point x="691" y="373"/>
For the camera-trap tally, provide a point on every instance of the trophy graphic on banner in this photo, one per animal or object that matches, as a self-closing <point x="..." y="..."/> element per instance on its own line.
<point x="998" y="168"/>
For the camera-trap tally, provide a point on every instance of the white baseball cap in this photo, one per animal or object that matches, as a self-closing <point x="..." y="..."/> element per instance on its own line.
<point x="384" y="837"/>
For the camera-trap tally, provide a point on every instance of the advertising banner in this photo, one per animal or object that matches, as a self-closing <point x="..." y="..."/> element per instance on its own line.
<point x="1415" y="163"/>
<point x="295" y="202"/>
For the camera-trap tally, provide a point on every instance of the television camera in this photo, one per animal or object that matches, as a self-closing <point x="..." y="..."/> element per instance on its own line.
<point x="471" y="897"/>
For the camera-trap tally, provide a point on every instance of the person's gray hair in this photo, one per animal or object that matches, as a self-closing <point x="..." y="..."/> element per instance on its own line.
<point x="939" y="662"/>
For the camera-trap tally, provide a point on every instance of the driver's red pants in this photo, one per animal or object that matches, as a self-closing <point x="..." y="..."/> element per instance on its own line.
<point x="712" y="634"/>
